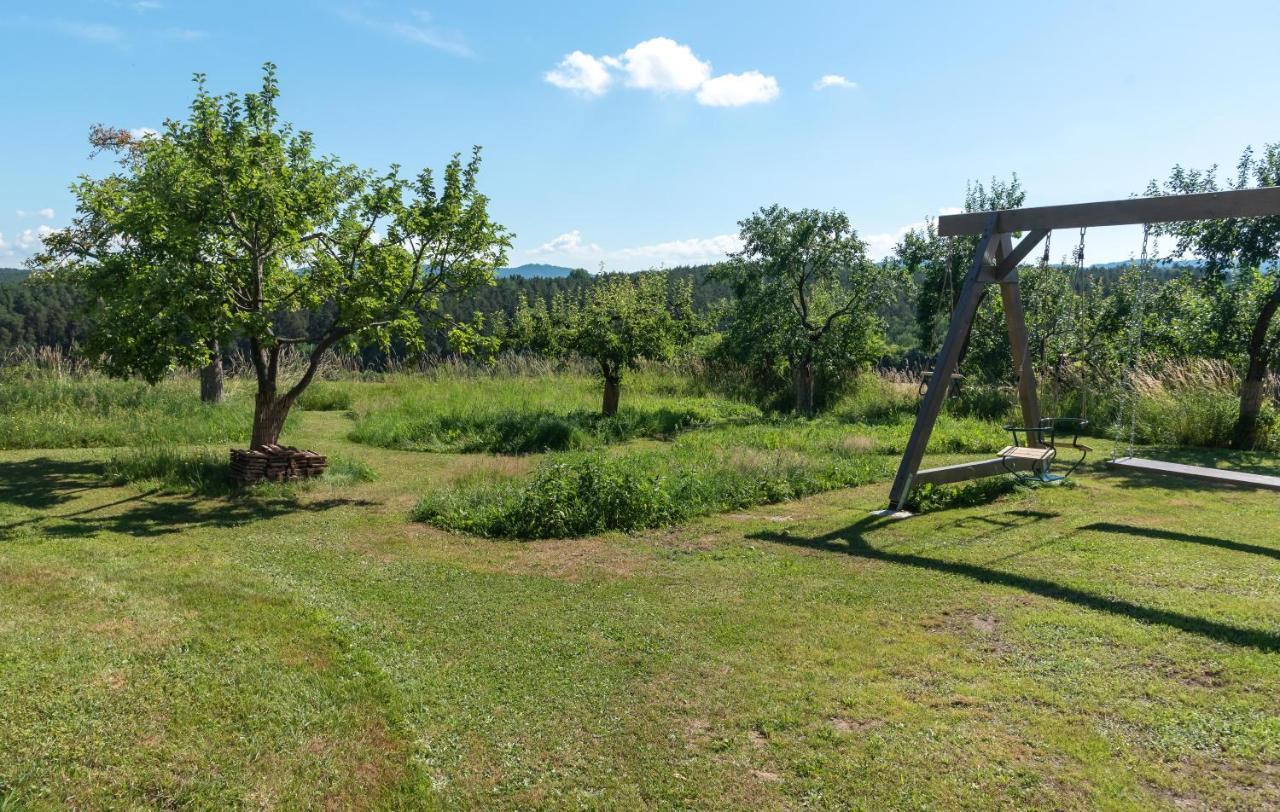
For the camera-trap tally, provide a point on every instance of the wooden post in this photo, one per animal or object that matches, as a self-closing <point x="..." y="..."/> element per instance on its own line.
<point x="1015" y="320"/>
<point x="948" y="359"/>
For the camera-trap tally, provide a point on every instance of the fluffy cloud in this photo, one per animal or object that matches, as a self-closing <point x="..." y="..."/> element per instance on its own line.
<point x="661" y="65"/>
<point x="139" y="133"/>
<point x="570" y="248"/>
<point x="569" y="244"/>
<point x="31" y="237"/>
<point x="834" y="80"/>
<point x="582" y="73"/>
<point x="880" y="246"/>
<point x="45" y="213"/>
<point x="681" y="252"/>
<point x="737" y="89"/>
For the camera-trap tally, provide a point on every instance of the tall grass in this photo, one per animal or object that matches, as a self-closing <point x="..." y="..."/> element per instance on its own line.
<point x="707" y="471"/>
<point x="52" y="408"/>
<point x="521" y="413"/>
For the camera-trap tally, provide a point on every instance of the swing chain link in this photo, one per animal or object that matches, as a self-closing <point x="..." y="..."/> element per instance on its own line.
<point x="1135" y="335"/>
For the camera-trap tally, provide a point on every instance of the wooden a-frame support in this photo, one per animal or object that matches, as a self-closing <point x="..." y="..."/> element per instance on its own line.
<point x="995" y="262"/>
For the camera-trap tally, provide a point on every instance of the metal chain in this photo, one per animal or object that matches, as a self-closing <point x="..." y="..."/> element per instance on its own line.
<point x="1135" y="336"/>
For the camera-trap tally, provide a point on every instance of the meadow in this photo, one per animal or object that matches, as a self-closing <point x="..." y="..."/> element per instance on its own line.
<point x="497" y="599"/>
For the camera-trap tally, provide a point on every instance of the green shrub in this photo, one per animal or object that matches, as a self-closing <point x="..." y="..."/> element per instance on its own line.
<point x="574" y="494"/>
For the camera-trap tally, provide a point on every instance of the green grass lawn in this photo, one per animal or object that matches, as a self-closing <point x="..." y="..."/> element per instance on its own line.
<point x="1113" y="644"/>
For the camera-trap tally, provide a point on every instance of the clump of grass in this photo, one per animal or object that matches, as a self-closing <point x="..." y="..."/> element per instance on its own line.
<point x="731" y="467"/>
<point x="930" y="497"/>
<point x="323" y="396"/>
<point x="347" y="471"/>
<point x="171" y="470"/>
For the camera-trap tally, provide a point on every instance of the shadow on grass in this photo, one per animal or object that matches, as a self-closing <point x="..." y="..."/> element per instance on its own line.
<point x="152" y="515"/>
<point x="852" y="541"/>
<point x="1190" y="538"/>
<point x="43" y="483"/>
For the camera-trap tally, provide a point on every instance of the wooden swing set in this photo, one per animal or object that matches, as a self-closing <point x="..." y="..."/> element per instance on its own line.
<point x="995" y="262"/>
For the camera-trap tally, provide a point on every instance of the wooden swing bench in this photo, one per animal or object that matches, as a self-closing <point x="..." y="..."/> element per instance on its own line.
<point x="1217" y="476"/>
<point x="1030" y="457"/>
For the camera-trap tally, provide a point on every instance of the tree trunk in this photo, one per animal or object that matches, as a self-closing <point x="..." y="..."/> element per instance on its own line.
<point x="269" y="414"/>
<point x="612" y="392"/>
<point x="1245" y="437"/>
<point x="211" y="376"/>
<point x="804" y="386"/>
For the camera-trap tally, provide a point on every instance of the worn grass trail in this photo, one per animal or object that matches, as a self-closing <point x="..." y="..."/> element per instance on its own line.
<point x="1114" y="644"/>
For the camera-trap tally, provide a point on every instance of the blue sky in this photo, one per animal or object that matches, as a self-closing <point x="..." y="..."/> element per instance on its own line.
<point x="638" y="134"/>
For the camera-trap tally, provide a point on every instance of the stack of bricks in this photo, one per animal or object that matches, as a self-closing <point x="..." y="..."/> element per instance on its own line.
<point x="274" y="463"/>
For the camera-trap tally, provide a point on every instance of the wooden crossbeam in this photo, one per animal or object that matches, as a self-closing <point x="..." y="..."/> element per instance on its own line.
<point x="979" y="469"/>
<point x="1263" y="202"/>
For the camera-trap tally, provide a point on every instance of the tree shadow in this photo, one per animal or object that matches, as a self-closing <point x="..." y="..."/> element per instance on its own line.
<point x="852" y="541"/>
<point x="42" y="483"/>
<point x="150" y="515"/>
<point x="1174" y="535"/>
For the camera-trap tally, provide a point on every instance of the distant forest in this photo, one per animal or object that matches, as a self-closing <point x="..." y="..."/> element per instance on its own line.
<point x="35" y="313"/>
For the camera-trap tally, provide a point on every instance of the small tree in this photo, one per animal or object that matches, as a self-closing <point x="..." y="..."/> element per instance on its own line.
<point x="1240" y="275"/>
<point x="805" y="295"/>
<point x="227" y="221"/>
<point x="618" y="321"/>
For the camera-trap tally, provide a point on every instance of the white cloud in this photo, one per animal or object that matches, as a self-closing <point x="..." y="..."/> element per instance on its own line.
<point x="31" y="237"/>
<point x="46" y="213"/>
<point x="421" y="30"/>
<point x="582" y="73"/>
<point x="140" y="133"/>
<point x="571" y="248"/>
<point x="737" y="89"/>
<point x="147" y="5"/>
<point x="682" y="252"/>
<point x="834" y="80"/>
<point x="663" y="64"/>
<point x="569" y="244"/>
<point x="185" y="34"/>
<point x="881" y="245"/>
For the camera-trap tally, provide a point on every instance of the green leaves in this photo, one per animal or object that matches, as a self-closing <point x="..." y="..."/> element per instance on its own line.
<point x="805" y="294"/>
<point x="227" y="222"/>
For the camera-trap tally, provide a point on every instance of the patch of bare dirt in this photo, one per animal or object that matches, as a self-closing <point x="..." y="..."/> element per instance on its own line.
<point x="841" y="724"/>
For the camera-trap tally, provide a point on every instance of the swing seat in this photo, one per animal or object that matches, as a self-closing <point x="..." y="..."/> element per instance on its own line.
<point x="1217" y="476"/>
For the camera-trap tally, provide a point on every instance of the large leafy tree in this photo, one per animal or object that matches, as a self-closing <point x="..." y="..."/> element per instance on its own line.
<point x="1240" y="275"/>
<point x="228" y="221"/>
<point x="805" y="296"/>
